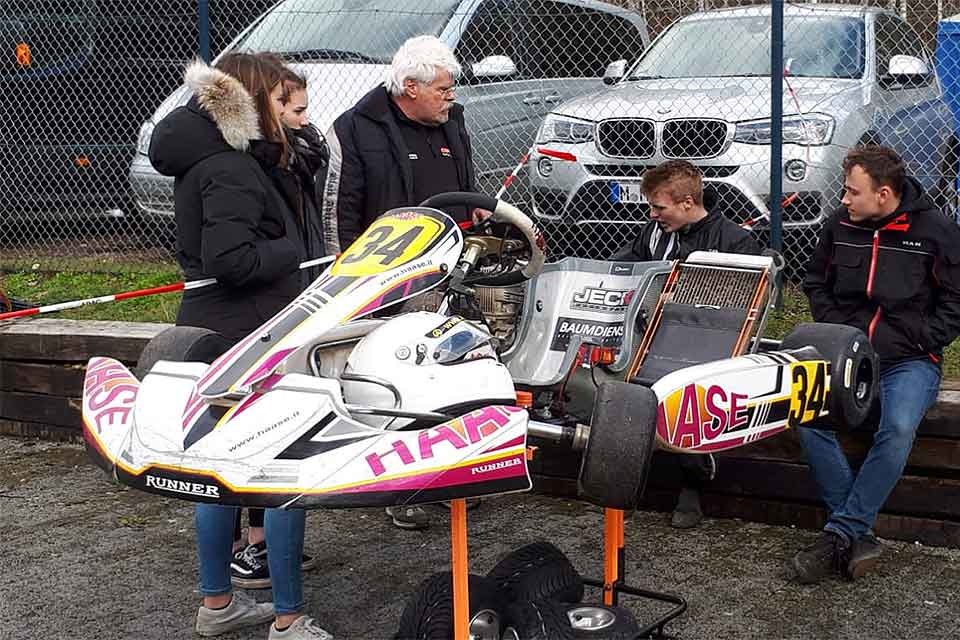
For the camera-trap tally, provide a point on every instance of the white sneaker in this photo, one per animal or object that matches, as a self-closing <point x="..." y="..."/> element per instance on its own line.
<point x="243" y="611"/>
<point x="303" y="628"/>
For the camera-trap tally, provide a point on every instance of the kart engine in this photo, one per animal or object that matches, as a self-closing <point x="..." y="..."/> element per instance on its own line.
<point x="501" y="307"/>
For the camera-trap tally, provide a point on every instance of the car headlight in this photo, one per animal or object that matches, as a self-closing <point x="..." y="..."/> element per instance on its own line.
<point x="811" y="129"/>
<point x="143" y="138"/>
<point x="563" y="129"/>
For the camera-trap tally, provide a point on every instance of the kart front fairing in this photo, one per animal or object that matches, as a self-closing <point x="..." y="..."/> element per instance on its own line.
<point x="255" y="428"/>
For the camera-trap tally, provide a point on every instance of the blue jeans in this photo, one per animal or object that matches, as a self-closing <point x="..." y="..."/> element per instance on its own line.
<point x="907" y="390"/>
<point x="284" y="531"/>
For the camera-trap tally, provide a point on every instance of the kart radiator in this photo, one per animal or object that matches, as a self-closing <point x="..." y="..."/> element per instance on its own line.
<point x="712" y="307"/>
<point x="709" y="286"/>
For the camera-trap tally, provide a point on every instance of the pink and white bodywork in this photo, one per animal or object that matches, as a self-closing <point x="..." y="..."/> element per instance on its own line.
<point x="256" y="428"/>
<point x="728" y="403"/>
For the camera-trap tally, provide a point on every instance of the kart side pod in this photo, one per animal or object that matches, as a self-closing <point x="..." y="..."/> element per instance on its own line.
<point x="824" y="376"/>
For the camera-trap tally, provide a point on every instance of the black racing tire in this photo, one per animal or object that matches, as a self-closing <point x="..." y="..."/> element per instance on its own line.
<point x="428" y="614"/>
<point x="622" y="439"/>
<point x="552" y="620"/>
<point x="537" y="571"/>
<point x="182" y="344"/>
<point x="854" y="369"/>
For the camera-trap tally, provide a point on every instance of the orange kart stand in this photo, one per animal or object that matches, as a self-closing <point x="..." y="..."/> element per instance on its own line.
<point x="612" y="585"/>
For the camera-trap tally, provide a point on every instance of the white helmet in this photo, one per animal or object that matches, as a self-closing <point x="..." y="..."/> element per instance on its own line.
<point x="434" y="362"/>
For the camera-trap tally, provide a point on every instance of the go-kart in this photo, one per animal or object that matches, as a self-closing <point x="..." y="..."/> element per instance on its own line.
<point x="325" y="406"/>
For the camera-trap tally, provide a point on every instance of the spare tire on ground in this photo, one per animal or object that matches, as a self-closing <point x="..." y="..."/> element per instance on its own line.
<point x="428" y="614"/>
<point x="537" y="571"/>
<point x="551" y="620"/>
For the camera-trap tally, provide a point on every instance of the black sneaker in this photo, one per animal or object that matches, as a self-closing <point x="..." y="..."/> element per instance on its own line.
<point x="827" y="556"/>
<point x="248" y="569"/>
<point x="409" y="517"/>
<point x="864" y="555"/>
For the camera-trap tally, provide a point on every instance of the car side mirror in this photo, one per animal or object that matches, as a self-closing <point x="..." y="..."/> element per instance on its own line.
<point x="614" y="71"/>
<point x="906" y="70"/>
<point x="493" y="67"/>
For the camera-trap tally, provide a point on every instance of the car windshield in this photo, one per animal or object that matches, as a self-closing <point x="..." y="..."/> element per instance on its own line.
<point x="814" y="46"/>
<point x="340" y="29"/>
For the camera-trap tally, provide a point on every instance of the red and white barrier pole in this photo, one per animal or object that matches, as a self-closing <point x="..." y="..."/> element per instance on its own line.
<point x="140" y="293"/>
<point x="516" y="170"/>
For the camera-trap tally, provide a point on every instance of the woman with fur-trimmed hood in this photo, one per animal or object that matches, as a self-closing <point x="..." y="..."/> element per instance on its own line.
<point x="233" y="225"/>
<point x="232" y="222"/>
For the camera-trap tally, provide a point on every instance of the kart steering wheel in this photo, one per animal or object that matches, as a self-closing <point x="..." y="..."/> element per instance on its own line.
<point x="484" y="243"/>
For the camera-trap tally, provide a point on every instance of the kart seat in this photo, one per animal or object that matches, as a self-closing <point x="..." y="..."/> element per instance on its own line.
<point x="689" y="335"/>
<point x="711" y="307"/>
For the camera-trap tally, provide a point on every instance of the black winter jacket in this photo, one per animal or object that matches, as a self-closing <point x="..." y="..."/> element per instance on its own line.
<point x="298" y="184"/>
<point x="897" y="279"/>
<point x="370" y="170"/>
<point x="232" y="222"/>
<point x="712" y="233"/>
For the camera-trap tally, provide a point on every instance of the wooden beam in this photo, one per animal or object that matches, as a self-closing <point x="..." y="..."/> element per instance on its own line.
<point x="39" y="430"/>
<point x="75" y="341"/>
<point x="787" y="482"/>
<point x="928" y="452"/>
<point x="31" y="407"/>
<point x="49" y="378"/>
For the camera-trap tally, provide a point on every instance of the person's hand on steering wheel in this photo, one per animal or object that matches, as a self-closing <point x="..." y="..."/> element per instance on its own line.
<point x="478" y="216"/>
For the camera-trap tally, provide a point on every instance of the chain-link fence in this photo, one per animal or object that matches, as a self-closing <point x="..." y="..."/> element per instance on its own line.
<point x="578" y="82"/>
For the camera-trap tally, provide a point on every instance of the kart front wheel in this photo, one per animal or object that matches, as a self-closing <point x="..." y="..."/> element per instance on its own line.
<point x="622" y="439"/>
<point x="854" y="368"/>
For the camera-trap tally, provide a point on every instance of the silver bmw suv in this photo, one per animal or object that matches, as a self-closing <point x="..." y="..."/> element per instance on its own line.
<point x="701" y="92"/>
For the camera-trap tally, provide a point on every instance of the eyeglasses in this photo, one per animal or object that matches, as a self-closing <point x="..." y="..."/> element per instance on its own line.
<point x="445" y="92"/>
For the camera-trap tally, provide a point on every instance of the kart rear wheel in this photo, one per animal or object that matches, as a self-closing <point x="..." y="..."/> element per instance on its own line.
<point x="537" y="571"/>
<point x="622" y="439"/>
<point x="181" y="344"/>
<point x="854" y="368"/>
<point x="428" y="614"/>
<point x="551" y="620"/>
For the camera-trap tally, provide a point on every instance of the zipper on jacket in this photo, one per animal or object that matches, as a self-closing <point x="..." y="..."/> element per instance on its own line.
<point x="873" y="272"/>
<point x="873" y="263"/>
<point x="873" y="325"/>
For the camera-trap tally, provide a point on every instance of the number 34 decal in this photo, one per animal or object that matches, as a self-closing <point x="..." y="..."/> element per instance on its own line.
<point x="808" y="398"/>
<point x="388" y="243"/>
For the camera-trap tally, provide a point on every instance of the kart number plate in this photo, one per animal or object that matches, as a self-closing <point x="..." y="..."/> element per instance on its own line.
<point x="388" y="243"/>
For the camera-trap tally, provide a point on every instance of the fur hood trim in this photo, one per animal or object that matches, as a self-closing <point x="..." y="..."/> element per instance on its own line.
<point x="228" y="103"/>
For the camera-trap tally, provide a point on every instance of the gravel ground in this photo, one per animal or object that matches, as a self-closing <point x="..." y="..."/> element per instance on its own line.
<point x="88" y="559"/>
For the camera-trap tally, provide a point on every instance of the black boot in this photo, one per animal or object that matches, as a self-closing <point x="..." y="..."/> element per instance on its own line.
<point x="864" y="555"/>
<point x="827" y="556"/>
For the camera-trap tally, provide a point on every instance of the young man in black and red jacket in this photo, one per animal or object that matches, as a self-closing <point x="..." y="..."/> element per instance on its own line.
<point x="888" y="263"/>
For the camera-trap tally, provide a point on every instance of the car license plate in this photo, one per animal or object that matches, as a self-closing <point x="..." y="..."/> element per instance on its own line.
<point x="626" y="193"/>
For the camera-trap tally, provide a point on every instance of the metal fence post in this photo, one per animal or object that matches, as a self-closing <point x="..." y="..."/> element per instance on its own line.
<point x="776" y="125"/>
<point x="203" y="27"/>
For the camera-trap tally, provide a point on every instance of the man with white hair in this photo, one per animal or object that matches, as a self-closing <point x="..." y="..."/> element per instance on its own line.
<point x="403" y="142"/>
